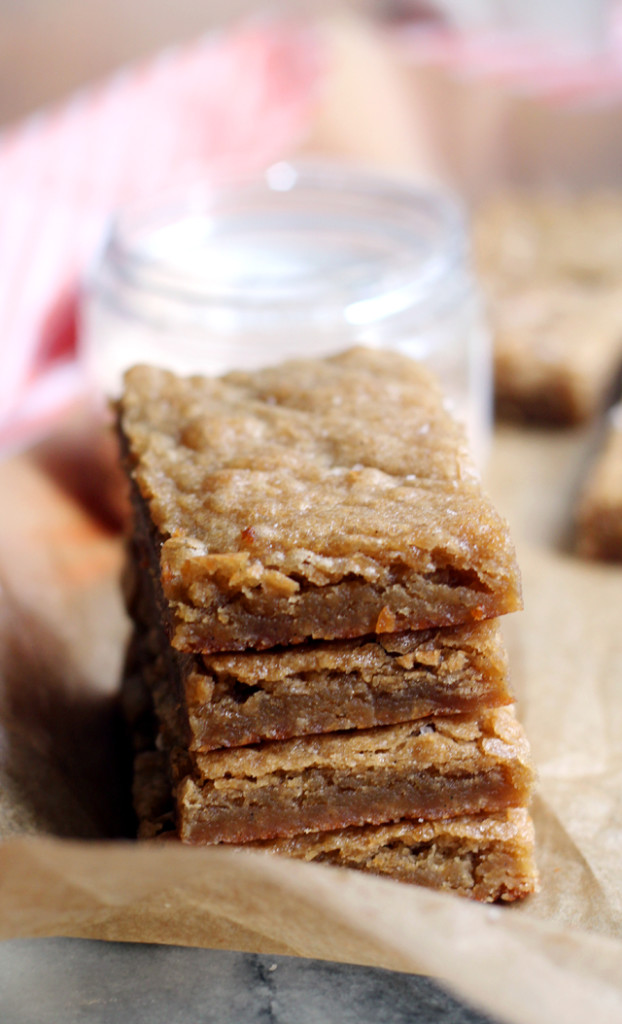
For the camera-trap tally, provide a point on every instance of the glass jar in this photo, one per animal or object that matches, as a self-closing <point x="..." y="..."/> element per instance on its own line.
<point x="304" y="261"/>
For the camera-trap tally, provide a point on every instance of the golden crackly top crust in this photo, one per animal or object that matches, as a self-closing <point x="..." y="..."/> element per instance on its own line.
<point x="307" y="473"/>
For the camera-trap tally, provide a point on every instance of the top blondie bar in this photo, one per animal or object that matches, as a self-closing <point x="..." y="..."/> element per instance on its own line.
<point x="323" y="499"/>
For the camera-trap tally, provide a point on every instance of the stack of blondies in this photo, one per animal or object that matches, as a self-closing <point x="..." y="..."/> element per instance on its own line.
<point x="316" y="669"/>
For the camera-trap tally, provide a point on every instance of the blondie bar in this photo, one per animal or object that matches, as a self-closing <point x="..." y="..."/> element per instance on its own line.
<point x="599" y="515"/>
<point x="558" y="348"/>
<point x="552" y="269"/>
<point x="484" y="857"/>
<point x="434" y="768"/>
<point x="322" y="499"/>
<point x="230" y="700"/>
<point x="235" y="699"/>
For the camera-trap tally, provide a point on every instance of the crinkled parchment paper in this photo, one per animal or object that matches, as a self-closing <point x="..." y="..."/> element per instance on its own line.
<point x="556" y="957"/>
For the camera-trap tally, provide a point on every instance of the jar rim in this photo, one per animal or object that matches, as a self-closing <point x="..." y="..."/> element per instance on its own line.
<point x="302" y="235"/>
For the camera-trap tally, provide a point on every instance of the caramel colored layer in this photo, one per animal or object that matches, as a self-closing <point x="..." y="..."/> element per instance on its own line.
<point x="228" y="700"/>
<point x="432" y="769"/>
<point x="236" y="699"/>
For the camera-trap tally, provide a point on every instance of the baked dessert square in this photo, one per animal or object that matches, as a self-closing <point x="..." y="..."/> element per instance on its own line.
<point x="485" y="857"/>
<point x="557" y="350"/>
<point x="434" y="768"/>
<point x="231" y="700"/>
<point x="327" y="686"/>
<point x="431" y="769"/>
<point x="522" y="237"/>
<point x="320" y="499"/>
<point x="599" y="513"/>
<point x="552" y="270"/>
<point x="235" y="698"/>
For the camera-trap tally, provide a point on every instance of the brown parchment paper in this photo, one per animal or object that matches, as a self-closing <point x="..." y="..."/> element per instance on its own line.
<point x="556" y="957"/>
<point x="65" y="868"/>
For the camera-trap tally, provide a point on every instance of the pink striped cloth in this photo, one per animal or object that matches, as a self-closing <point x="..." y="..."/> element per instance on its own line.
<point x="227" y="104"/>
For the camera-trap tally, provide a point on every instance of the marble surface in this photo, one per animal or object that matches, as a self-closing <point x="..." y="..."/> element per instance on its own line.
<point x="49" y="981"/>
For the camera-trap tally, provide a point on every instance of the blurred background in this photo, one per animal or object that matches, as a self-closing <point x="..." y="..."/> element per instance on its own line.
<point x="103" y="104"/>
<point x="48" y="47"/>
<point x="498" y="91"/>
